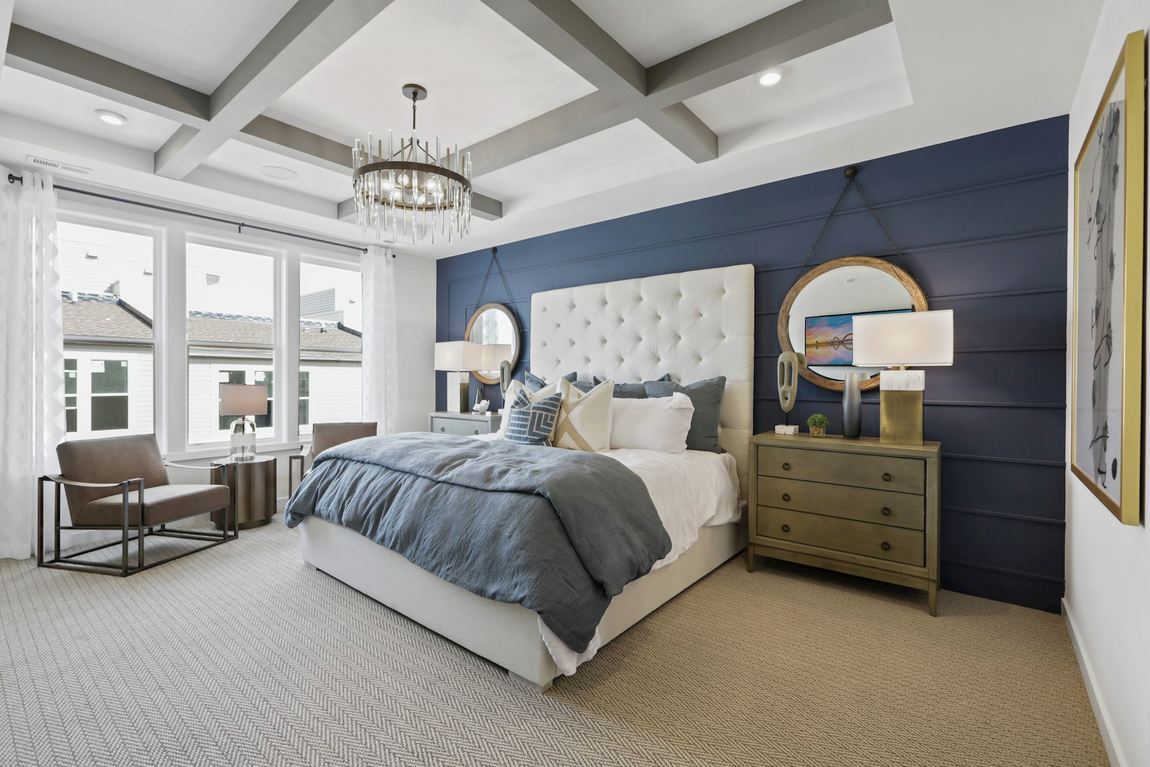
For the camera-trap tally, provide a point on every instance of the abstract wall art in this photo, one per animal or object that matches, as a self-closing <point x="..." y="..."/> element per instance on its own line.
<point x="1109" y="263"/>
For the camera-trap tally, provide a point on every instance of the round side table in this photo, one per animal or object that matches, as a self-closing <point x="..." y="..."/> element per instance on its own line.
<point x="253" y="485"/>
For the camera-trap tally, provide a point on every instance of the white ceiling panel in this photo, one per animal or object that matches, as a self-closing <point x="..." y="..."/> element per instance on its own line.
<point x="818" y="78"/>
<point x="605" y="159"/>
<point x="483" y="76"/>
<point x="249" y="161"/>
<point x="196" y="43"/>
<point x="37" y="99"/>
<point x="655" y="30"/>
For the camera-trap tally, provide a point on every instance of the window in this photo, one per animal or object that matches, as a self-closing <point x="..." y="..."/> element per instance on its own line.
<point x="107" y="296"/>
<point x="109" y="395"/>
<point x="231" y="334"/>
<point x="330" y="345"/>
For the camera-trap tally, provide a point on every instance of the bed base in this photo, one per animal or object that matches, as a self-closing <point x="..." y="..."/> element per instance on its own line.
<point x="505" y="634"/>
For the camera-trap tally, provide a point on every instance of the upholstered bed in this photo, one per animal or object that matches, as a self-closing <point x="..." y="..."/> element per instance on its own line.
<point x="693" y="325"/>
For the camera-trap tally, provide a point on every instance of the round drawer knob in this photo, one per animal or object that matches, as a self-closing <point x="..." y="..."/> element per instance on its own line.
<point x="886" y="476"/>
<point x="886" y="512"/>
<point x="786" y="528"/>
<point x="786" y="496"/>
<point x="885" y="546"/>
<point x="786" y="467"/>
<point x="443" y="428"/>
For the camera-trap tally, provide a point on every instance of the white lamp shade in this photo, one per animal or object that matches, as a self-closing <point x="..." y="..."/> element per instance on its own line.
<point x="914" y="339"/>
<point x="243" y="399"/>
<point x="494" y="354"/>
<point x="458" y="356"/>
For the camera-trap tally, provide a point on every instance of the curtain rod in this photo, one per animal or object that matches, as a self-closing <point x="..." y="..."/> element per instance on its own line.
<point x="240" y="225"/>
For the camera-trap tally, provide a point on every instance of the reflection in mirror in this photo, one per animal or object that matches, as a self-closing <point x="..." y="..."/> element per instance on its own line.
<point x="816" y="316"/>
<point x="493" y="324"/>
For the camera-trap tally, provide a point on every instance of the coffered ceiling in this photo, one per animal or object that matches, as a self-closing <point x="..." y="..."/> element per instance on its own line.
<point x="574" y="110"/>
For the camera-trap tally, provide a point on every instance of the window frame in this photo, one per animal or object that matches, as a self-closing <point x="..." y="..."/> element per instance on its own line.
<point x="171" y="234"/>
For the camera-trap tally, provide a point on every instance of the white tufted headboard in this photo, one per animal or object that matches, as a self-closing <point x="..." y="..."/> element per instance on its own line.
<point x="693" y="325"/>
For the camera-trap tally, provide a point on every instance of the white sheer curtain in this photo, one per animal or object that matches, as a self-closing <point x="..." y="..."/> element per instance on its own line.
<point x="380" y="361"/>
<point x="31" y="354"/>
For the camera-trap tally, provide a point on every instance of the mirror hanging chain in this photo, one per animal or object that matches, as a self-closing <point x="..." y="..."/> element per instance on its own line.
<point x="851" y="173"/>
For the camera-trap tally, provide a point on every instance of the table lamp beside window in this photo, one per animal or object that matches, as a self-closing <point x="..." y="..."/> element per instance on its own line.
<point x="244" y="401"/>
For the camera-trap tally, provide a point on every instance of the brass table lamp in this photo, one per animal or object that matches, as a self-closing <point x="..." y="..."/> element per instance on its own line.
<point x="901" y="340"/>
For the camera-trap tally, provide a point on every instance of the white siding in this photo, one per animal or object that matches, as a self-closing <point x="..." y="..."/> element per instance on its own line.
<point x="140" y="390"/>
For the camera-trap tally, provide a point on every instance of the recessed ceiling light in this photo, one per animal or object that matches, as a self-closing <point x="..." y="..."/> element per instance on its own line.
<point x="279" y="172"/>
<point x="111" y="118"/>
<point x="770" y="78"/>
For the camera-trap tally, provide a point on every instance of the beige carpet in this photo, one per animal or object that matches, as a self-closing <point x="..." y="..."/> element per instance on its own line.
<point x="242" y="655"/>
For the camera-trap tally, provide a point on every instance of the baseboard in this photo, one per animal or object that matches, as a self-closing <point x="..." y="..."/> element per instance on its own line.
<point x="1113" y="750"/>
<point x="281" y="504"/>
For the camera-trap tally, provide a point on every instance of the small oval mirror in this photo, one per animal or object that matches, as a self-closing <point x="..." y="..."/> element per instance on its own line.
<point x="815" y="319"/>
<point x="491" y="325"/>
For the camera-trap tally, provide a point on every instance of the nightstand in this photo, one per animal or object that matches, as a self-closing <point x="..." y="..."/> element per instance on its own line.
<point x="463" y="424"/>
<point x="857" y="506"/>
<point x="253" y="485"/>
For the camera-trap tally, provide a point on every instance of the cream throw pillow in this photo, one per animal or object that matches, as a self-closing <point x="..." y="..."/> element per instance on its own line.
<point x="584" y="419"/>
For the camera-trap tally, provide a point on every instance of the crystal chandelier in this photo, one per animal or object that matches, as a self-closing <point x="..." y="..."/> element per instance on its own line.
<point x="407" y="191"/>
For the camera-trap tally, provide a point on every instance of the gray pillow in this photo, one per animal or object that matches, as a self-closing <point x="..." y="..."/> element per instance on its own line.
<point x="636" y="390"/>
<point x="534" y="383"/>
<point x="707" y="397"/>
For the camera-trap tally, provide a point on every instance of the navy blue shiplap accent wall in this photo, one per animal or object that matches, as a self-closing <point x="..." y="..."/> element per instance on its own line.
<point x="982" y="222"/>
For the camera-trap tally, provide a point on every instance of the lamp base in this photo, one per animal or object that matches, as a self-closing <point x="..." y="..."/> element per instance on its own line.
<point x="900" y="417"/>
<point x="458" y="385"/>
<point x="243" y="440"/>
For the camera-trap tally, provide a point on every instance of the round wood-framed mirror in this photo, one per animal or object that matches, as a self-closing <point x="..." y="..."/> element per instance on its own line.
<point x="494" y="324"/>
<point x="815" y="318"/>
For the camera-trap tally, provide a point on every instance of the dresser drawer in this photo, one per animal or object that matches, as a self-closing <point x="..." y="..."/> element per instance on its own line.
<point x="458" y="426"/>
<point x="877" y="506"/>
<point x="904" y="475"/>
<point x="895" y="544"/>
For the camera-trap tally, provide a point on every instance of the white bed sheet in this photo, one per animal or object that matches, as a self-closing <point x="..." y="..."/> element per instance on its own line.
<point x="690" y="490"/>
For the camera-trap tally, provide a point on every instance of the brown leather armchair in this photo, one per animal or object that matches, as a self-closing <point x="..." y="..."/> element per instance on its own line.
<point x="121" y="483"/>
<point x="323" y="436"/>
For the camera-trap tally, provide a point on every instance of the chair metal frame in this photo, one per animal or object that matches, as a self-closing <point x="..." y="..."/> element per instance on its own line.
<point x="124" y="568"/>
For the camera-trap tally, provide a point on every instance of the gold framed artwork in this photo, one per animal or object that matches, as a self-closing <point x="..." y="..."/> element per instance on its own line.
<point x="1109" y="266"/>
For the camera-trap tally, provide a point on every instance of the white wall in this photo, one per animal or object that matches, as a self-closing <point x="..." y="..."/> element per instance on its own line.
<point x="1108" y="564"/>
<point x="415" y="296"/>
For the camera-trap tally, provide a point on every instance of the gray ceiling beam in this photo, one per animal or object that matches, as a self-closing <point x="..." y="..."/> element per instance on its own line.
<point x="773" y="40"/>
<point x="568" y="34"/>
<point x="304" y="37"/>
<point x="296" y="143"/>
<point x="769" y="42"/>
<point x="683" y="129"/>
<point x="61" y="62"/>
<point x="575" y="120"/>
<point x="6" y="9"/>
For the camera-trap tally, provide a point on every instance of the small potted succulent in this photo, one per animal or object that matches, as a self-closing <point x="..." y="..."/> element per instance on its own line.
<point x="817" y="425"/>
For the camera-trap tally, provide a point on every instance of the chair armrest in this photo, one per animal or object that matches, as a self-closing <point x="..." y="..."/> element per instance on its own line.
<point x="174" y="465"/>
<point x="57" y="479"/>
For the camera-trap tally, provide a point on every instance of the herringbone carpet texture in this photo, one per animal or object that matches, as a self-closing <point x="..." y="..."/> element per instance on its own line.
<point x="242" y="655"/>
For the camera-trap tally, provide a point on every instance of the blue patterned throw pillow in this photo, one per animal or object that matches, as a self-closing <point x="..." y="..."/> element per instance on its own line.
<point x="533" y="423"/>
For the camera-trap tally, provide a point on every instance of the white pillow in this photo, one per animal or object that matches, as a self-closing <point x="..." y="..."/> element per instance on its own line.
<point x="584" y="419"/>
<point x="656" y="423"/>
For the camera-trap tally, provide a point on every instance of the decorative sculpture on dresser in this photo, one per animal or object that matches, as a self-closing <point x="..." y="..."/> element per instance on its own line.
<point x="788" y="382"/>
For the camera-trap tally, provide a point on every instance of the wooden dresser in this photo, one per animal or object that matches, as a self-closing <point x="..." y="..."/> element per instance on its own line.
<point x="856" y="506"/>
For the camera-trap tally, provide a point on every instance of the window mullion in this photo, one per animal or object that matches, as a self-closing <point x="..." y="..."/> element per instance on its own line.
<point x="287" y="346"/>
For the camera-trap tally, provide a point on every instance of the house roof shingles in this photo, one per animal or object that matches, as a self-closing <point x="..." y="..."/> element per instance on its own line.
<point x="102" y="316"/>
